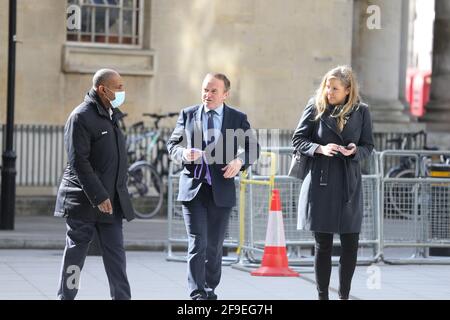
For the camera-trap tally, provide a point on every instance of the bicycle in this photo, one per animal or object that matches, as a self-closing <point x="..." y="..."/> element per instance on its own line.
<point x="400" y="196"/>
<point x="146" y="173"/>
<point x="406" y="167"/>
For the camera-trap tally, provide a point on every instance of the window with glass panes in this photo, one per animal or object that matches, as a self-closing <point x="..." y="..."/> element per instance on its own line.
<point x="114" y="22"/>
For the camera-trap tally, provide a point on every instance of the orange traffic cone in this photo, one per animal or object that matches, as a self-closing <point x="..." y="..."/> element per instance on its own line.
<point x="275" y="262"/>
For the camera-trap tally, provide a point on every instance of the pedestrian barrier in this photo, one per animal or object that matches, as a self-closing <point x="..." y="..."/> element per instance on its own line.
<point x="406" y="220"/>
<point x="177" y="236"/>
<point x="235" y="234"/>
<point x="247" y="228"/>
<point x="416" y="209"/>
<point x="299" y="242"/>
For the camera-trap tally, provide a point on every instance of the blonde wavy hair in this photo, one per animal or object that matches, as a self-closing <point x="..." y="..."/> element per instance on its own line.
<point x="347" y="77"/>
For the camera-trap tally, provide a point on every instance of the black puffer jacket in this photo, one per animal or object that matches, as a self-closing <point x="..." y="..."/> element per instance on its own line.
<point x="97" y="164"/>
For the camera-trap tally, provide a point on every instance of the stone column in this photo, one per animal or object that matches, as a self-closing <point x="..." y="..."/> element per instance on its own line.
<point x="379" y="57"/>
<point x="437" y="115"/>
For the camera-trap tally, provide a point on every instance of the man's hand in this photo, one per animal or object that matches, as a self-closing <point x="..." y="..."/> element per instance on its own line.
<point x="192" y="154"/>
<point x="106" y="207"/>
<point x="232" y="169"/>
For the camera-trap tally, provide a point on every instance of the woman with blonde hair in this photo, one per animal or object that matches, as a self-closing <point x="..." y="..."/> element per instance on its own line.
<point x="335" y="132"/>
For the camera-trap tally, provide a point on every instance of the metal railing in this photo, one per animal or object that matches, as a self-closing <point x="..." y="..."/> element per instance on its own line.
<point x="401" y="233"/>
<point x="253" y="219"/>
<point x="41" y="156"/>
<point x="415" y="210"/>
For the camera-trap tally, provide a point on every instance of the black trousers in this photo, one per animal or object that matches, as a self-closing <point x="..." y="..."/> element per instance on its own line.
<point x="347" y="262"/>
<point x="206" y="224"/>
<point x="79" y="235"/>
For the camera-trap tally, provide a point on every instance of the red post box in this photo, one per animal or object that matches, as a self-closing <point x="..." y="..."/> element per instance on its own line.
<point x="420" y="93"/>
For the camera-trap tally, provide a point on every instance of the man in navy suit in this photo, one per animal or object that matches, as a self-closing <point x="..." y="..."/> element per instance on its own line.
<point x="213" y="142"/>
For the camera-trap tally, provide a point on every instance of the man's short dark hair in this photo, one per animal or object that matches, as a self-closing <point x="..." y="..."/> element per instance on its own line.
<point x="224" y="78"/>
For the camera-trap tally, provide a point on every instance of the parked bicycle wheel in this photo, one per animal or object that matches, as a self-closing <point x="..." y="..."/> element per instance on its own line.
<point x="400" y="195"/>
<point x="146" y="189"/>
<point x="161" y="161"/>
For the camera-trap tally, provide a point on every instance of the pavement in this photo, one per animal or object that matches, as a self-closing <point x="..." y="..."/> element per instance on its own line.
<point x="48" y="232"/>
<point x="30" y="258"/>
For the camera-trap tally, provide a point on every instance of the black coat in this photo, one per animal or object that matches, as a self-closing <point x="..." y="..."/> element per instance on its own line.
<point x="189" y="134"/>
<point x="97" y="164"/>
<point x="331" y="197"/>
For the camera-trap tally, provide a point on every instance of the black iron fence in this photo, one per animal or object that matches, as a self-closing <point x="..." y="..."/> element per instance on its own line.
<point x="40" y="154"/>
<point x="41" y="157"/>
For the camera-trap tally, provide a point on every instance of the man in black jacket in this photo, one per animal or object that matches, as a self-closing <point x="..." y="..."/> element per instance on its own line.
<point x="93" y="193"/>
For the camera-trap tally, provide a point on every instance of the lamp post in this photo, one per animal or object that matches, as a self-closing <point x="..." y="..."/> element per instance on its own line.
<point x="8" y="190"/>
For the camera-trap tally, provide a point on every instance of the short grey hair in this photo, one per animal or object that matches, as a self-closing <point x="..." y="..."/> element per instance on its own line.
<point x="102" y="76"/>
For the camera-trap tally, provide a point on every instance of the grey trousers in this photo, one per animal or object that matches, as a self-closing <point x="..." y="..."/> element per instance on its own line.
<point x="79" y="235"/>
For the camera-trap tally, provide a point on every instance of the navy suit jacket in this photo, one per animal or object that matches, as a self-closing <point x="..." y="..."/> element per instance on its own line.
<point x="188" y="133"/>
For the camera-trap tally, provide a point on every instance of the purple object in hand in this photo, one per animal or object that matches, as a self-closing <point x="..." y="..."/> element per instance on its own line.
<point x="199" y="169"/>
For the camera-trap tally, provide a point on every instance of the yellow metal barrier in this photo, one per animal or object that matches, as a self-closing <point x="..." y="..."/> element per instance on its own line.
<point x="243" y="187"/>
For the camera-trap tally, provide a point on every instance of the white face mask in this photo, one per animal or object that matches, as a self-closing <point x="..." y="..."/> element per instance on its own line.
<point x="119" y="100"/>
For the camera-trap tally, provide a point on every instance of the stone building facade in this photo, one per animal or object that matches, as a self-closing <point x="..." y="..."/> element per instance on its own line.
<point x="275" y="53"/>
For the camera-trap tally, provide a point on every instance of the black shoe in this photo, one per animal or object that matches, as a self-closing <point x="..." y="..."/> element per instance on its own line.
<point x="323" y="297"/>
<point x="211" y="295"/>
